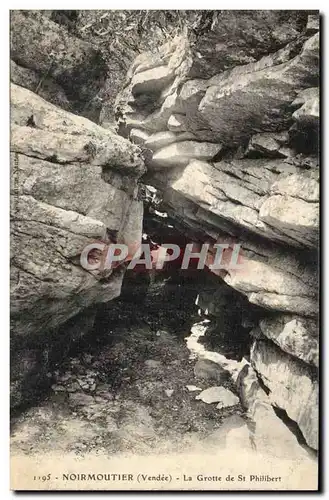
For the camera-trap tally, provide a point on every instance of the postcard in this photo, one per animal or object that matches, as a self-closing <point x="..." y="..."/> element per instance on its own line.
<point x="164" y="250"/>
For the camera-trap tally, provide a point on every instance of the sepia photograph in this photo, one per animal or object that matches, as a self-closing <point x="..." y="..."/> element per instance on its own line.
<point x="164" y="250"/>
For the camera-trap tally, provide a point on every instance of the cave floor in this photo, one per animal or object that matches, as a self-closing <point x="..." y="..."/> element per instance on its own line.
<point x="129" y="396"/>
<point x="121" y="398"/>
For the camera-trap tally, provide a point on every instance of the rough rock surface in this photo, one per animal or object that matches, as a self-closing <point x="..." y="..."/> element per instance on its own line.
<point x="211" y="395"/>
<point x="295" y="335"/>
<point x="251" y="91"/>
<point x="228" y="399"/>
<point x="45" y="87"/>
<point x="55" y="153"/>
<point x="263" y="93"/>
<point x="267" y="429"/>
<point x="53" y="63"/>
<point x="292" y="384"/>
<point x="309" y="111"/>
<point x="209" y="371"/>
<point x="268" y="197"/>
<point x="239" y="37"/>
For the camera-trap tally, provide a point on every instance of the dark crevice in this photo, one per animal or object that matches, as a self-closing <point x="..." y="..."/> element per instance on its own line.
<point x="294" y="428"/>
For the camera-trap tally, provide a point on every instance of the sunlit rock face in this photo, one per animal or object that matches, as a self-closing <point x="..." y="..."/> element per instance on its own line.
<point x="228" y="122"/>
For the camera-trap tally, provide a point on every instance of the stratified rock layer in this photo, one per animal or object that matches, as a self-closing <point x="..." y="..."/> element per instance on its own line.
<point x="247" y="84"/>
<point x="72" y="183"/>
<point x="56" y="154"/>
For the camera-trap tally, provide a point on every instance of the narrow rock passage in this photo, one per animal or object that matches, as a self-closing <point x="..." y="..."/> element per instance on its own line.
<point x="127" y="391"/>
<point x="143" y="387"/>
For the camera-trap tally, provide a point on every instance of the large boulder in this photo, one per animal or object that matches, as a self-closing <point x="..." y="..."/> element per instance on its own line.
<point x="56" y="155"/>
<point x="260" y="98"/>
<point x="227" y="88"/>
<point x="72" y="183"/>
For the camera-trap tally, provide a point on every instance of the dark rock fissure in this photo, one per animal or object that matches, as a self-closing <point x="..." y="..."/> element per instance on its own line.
<point x="176" y="312"/>
<point x="293" y="427"/>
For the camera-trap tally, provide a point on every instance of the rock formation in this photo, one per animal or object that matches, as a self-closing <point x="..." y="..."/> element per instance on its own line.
<point x="61" y="68"/>
<point x="228" y="122"/>
<point x="73" y="182"/>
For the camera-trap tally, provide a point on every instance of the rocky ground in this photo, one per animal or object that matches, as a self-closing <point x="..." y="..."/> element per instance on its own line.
<point x="133" y="389"/>
<point x="145" y="382"/>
